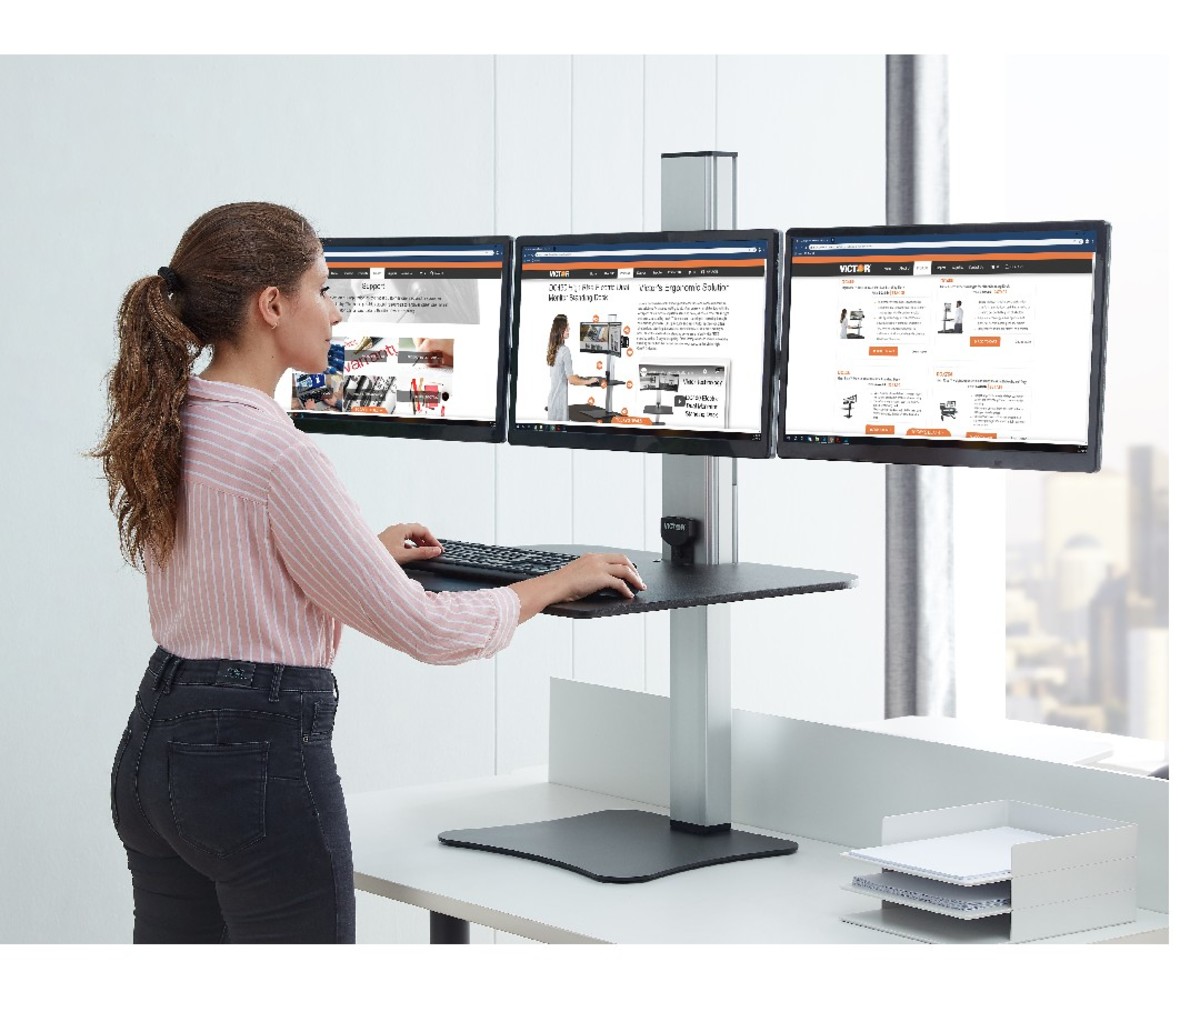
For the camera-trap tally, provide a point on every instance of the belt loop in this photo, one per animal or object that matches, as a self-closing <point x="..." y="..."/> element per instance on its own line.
<point x="168" y="672"/>
<point x="276" y="678"/>
<point x="336" y="696"/>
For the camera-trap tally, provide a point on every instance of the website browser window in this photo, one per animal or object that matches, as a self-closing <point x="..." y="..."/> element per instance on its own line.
<point x="642" y="336"/>
<point x="975" y="338"/>
<point x="419" y="340"/>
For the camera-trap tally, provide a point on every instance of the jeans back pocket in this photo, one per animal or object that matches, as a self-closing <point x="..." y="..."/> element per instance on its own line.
<point x="218" y="794"/>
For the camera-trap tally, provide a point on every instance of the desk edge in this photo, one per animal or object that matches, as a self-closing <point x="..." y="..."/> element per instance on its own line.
<point x="508" y="923"/>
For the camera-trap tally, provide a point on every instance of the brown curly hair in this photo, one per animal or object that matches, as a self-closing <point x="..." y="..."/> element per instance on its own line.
<point x="558" y="337"/>
<point x="223" y="259"/>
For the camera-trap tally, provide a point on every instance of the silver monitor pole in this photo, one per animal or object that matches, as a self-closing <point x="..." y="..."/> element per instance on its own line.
<point x="699" y="192"/>
<point x="919" y="626"/>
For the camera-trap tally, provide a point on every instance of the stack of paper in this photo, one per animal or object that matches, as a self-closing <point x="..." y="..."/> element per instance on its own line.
<point x="936" y="892"/>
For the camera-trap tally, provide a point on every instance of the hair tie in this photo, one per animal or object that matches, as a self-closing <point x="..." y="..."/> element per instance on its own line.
<point x="171" y="277"/>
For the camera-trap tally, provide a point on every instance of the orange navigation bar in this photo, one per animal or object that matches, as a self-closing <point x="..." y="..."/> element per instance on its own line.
<point x="640" y="264"/>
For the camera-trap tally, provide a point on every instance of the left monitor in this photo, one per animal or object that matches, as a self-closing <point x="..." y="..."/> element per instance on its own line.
<point x="422" y="348"/>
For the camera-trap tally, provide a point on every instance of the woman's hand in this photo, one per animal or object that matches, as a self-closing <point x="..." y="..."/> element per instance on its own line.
<point x="590" y="572"/>
<point x="440" y="351"/>
<point x="408" y="542"/>
<point x="582" y="577"/>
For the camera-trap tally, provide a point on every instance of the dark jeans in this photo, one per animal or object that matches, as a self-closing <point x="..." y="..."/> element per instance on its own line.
<point x="227" y="799"/>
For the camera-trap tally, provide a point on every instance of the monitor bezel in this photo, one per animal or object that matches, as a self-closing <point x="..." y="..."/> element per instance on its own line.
<point x="471" y="430"/>
<point x="971" y="454"/>
<point x="656" y="440"/>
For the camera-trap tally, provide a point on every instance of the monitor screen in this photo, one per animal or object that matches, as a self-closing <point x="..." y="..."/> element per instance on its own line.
<point x="976" y="344"/>
<point x="422" y="348"/>
<point x="656" y="342"/>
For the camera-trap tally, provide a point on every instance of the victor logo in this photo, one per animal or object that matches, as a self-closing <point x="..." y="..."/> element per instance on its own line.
<point x="855" y="268"/>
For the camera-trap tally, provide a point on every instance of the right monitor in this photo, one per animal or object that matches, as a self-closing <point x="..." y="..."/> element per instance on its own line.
<point x="945" y="344"/>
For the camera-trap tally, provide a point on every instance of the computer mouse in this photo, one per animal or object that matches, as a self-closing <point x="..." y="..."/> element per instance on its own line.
<point x="610" y="593"/>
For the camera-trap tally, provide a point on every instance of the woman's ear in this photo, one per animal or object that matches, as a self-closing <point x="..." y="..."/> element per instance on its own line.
<point x="268" y="305"/>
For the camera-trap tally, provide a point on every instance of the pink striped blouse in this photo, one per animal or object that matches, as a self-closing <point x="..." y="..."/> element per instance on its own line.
<point x="272" y="556"/>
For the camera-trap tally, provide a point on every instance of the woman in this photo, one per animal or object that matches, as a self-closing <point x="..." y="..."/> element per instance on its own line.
<point x="843" y="326"/>
<point x="558" y="358"/>
<point x="224" y="789"/>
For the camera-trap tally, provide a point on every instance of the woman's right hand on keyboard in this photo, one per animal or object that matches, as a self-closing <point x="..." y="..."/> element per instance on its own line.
<point x="582" y="577"/>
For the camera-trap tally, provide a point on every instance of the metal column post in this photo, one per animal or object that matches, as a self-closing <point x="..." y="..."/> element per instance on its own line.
<point x="699" y="192"/>
<point x="919" y="640"/>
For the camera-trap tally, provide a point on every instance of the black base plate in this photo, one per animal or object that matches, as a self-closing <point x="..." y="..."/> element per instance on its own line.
<point x="618" y="846"/>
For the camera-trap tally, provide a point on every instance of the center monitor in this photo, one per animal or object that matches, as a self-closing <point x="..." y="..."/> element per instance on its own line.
<point x="422" y="348"/>
<point x="655" y="342"/>
<point x="969" y="344"/>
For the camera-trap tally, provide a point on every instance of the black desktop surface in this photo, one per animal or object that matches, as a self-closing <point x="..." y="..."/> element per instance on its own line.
<point x="669" y="587"/>
<point x="587" y="413"/>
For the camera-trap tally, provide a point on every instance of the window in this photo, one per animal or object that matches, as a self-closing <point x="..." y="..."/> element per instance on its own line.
<point x="1086" y="604"/>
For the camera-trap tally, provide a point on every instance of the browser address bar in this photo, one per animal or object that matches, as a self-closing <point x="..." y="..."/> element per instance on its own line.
<point x="628" y="252"/>
<point x="926" y="245"/>
<point x="384" y="253"/>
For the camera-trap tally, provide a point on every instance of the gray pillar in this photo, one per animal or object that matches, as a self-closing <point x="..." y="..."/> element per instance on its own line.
<point x="919" y="630"/>
<point x="699" y="192"/>
<point x="918" y="157"/>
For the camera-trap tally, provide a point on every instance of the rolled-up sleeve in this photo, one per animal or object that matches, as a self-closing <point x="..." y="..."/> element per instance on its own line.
<point x="336" y="559"/>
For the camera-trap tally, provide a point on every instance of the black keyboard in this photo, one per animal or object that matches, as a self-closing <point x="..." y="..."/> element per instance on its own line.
<point x="486" y="563"/>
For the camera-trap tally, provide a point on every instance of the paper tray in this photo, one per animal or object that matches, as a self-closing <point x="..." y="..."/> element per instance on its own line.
<point x="1068" y="872"/>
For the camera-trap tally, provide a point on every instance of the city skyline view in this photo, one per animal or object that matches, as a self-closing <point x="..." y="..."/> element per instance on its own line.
<point x="1087" y="598"/>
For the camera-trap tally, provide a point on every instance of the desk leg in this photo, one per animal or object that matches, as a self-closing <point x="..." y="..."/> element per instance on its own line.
<point x="445" y="929"/>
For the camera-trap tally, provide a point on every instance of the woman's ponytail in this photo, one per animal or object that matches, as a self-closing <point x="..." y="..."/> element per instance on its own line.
<point x="142" y="447"/>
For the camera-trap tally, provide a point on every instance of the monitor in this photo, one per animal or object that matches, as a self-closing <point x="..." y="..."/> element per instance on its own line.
<point x="656" y="342"/>
<point x="975" y="344"/>
<point x="422" y="348"/>
<point x="602" y="338"/>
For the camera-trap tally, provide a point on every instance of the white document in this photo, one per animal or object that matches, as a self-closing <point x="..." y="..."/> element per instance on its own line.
<point x="976" y="857"/>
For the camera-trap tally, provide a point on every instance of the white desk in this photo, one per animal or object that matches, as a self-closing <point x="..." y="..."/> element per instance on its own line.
<point x="794" y="899"/>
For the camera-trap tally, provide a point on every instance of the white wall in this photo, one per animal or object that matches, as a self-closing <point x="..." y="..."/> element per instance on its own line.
<point x="107" y="160"/>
